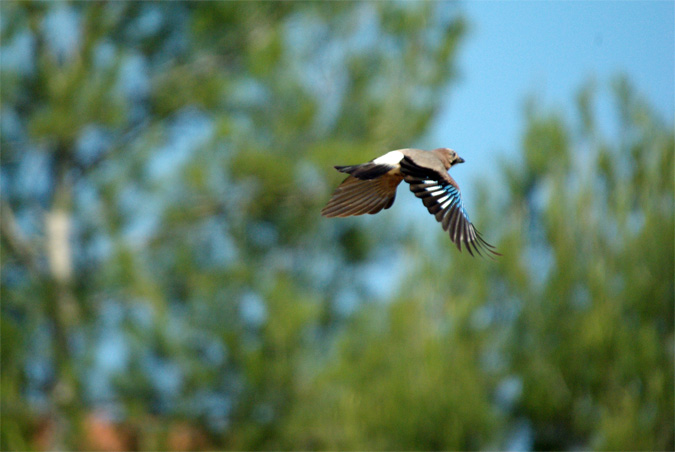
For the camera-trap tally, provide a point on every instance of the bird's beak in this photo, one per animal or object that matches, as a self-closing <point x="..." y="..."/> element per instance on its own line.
<point x="459" y="160"/>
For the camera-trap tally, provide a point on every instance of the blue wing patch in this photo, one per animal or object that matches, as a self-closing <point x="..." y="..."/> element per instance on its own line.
<point x="444" y="201"/>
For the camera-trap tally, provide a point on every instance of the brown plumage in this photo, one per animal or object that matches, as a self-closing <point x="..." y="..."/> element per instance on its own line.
<point x="356" y="196"/>
<point x="371" y="187"/>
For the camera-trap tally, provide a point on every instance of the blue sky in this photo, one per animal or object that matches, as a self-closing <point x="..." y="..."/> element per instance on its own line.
<point x="516" y="49"/>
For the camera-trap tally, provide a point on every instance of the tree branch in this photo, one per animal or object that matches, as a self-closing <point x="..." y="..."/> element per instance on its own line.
<point x="16" y="241"/>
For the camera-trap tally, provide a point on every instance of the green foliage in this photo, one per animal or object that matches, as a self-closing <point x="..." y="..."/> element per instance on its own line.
<point x="592" y="341"/>
<point x="188" y="143"/>
<point x="570" y="332"/>
<point x="398" y="384"/>
<point x="189" y="147"/>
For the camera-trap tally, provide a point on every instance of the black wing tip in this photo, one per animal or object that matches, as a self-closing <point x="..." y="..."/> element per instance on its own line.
<point x="487" y="252"/>
<point x="478" y="244"/>
<point x="490" y="249"/>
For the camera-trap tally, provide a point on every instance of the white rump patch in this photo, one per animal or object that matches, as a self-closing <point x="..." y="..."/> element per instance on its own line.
<point x="390" y="158"/>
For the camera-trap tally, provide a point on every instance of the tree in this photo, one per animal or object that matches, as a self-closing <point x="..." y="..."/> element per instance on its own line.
<point x="592" y="339"/>
<point x="565" y="342"/>
<point x="168" y="282"/>
<point x="161" y="165"/>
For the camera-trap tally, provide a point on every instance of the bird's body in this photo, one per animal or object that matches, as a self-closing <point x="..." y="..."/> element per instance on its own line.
<point x="371" y="187"/>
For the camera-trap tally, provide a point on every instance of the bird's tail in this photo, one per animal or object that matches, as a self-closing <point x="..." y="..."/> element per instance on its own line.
<point x="365" y="171"/>
<point x="346" y="168"/>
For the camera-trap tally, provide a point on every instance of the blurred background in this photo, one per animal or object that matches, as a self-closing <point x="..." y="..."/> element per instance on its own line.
<point x="169" y="284"/>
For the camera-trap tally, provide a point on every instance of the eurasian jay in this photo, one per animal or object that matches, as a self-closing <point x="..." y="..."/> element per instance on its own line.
<point x="371" y="187"/>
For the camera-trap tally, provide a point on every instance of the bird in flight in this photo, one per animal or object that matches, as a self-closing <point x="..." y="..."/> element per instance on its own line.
<point x="371" y="187"/>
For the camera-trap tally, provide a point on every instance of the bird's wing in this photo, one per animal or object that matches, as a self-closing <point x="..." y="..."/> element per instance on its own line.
<point x="356" y="196"/>
<point x="442" y="198"/>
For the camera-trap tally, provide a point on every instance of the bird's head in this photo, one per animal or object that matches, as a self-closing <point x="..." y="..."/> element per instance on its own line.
<point x="448" y="157"/>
